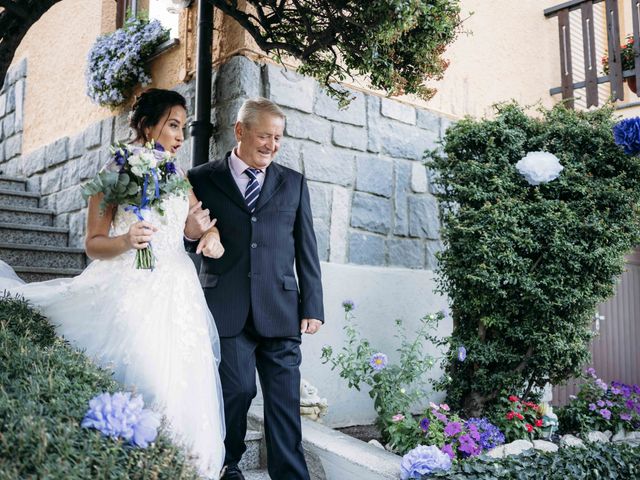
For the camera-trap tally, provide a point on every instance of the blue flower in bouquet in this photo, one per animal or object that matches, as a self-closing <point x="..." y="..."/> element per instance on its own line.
<point x="423" y="460"/>
<point x="122" y="416"/>
<point x="626" y="134"/>
<point x="424" y="424"/>
<point x="378" y="361"/>
<point x="171" y="168"/>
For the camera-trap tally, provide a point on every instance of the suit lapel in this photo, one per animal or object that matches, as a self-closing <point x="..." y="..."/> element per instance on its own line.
<point x="272" y="182"/>
<point x="222" y="177"/>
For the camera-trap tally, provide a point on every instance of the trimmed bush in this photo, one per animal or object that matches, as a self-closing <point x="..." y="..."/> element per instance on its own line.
<point x="45" y="388"/>
<point x="526" y="266"/>
<point x="596" y="461"/>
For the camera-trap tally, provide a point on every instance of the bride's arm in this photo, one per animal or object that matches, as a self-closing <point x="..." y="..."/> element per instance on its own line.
<point x="99" y="245"/>
<point x="202" y="227"/>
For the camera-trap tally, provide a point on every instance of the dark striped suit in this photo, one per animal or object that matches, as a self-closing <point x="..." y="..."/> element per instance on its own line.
<point x="257" y="304"/>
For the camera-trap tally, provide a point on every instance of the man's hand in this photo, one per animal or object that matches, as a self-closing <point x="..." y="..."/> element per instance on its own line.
<point x="310" y="325"/>
<point x="198" y="222"/>
<point x="210" y="245"/>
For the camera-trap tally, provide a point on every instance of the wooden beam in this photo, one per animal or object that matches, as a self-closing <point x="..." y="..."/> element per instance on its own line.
<point x="589" y="48"/>
<point x="613" y="39"/>
<point x="566" y="71"/>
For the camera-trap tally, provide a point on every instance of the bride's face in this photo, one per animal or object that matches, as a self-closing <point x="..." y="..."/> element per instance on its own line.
<point x="168" y="132"/>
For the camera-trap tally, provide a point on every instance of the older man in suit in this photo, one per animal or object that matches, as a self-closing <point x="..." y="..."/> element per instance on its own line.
<point x="264" y="217"/>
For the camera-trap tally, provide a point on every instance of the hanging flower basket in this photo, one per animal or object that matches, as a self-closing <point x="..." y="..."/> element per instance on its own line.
<point x="117" y="61"/>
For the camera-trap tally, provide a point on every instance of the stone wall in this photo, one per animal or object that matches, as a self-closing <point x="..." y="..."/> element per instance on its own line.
<point x="12" y="114"/>
<point x="371" y="195"/>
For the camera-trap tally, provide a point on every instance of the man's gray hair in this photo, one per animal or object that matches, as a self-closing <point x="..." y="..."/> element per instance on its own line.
<point x="253" y="107"/>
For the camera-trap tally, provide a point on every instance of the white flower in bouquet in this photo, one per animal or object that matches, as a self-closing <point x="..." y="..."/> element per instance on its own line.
<point x="539" y="167"/>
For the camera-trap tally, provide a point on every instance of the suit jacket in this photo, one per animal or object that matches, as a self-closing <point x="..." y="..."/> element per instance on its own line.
<point x="257" y="269"/>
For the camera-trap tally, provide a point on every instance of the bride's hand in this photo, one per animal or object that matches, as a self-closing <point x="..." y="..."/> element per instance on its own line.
<point x="210" y="245"/>
<point x="139" y="235"/>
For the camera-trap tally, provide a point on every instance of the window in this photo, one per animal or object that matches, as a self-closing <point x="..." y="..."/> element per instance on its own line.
<point x="166" y="11"/>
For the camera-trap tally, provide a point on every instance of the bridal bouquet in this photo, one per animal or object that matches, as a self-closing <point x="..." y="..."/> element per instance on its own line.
<point x="138" y="178"/>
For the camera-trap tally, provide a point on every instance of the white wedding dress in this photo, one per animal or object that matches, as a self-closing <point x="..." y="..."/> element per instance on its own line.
<point x="152" y="328"/>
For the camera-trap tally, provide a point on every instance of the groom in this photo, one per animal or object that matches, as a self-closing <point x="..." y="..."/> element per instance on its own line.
<point x="265" y="223"/>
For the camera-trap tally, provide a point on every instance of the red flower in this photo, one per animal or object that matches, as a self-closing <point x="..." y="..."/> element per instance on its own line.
<point x="539" y="422"/>
<point x="519" y="416"/>
<point x="529" y="427"/>
<point x="510" y="415"/>
<point x="513" y="398"/>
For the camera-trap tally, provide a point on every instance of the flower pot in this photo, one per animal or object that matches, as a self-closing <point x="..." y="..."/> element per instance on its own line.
<point x="631" y="83"/>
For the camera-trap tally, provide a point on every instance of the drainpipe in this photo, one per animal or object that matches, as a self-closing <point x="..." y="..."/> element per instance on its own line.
<point x="201" y="128"/>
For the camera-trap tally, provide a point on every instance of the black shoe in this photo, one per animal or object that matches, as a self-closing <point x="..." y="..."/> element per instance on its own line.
<point x="232" y="472"/>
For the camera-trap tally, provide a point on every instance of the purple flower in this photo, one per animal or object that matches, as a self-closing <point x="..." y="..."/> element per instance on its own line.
<point x="424" y="424"/>
<point x="609" y="403"/>
<point x="462" y="353"/>
<point x="468" y="446"/>
<point x="378" y="361"/>
<point x="440" y="416"/>
<point x="615" y="390"/>
<point x="121" y="416"/>
<point x="591" y="371"/>
<point x="592" y="407"/>
<point x="448" y="449"/>
<point x="348" y="305"/>
<point x="453" y="428"/>
<point x="600" y="403"/>
<point x="601" y="384"/>
<point x="423" y="460"/>
<point x="625" y="416"/>
<point x="158" y="146"/>
<point x="626" y="134"/>
<point x="490" y="435"/>
<point x="606" y="414"/>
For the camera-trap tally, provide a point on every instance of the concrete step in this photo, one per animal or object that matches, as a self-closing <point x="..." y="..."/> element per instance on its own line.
<point x="251" y="458"/>
<point x="26" y="216"/>
<point x="256" y="475"/>
<point x="39" y="274"/>
<point x="39" y="256"/>
<point x="18" y="198"/>
<point x="13" y="183"/>
<point x="34" y="235"/>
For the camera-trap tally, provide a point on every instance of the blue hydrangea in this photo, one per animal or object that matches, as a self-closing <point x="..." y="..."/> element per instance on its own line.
<point x="122" y="416"/>
<point x="626" y="134"/>
<point x="116" y="62"/>
<point x="490" y="435"/>
<point x="423" y="460"/>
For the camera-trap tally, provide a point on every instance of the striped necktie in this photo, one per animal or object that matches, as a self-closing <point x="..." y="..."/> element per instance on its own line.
<point x="252" y="191"/>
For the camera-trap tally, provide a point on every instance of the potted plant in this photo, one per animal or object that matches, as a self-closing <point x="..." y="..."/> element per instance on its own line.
<point x="628" y="59"/>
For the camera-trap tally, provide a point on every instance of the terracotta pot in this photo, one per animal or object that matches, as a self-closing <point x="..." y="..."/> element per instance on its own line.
<point x="631" y="82"/>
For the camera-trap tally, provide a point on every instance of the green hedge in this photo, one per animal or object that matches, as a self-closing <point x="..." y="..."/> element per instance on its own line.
<point x="596" y="461"/>
<point x="45" y="387"/>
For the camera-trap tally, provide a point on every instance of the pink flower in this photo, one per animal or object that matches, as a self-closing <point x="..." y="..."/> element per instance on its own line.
<point x="444" y="407"/>
<point x="398" y="418"/>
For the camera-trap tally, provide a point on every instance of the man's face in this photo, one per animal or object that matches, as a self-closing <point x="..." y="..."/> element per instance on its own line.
<point x="259" y="142"/>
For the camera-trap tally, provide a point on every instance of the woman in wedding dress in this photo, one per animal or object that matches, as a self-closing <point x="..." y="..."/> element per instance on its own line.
<point x="151" y="327"/>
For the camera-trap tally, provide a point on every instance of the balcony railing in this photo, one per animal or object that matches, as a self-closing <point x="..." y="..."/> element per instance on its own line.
<point x="589" y="58"/>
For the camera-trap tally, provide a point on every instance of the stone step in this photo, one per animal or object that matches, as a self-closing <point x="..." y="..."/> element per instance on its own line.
<point x="39" y="256"/>
<point x="251" y="458"/>
<point x="256" y="475"/>
<point x="18" y="198"/>
<point x="39" y="274"/>
<point x="34" y="235"/>
<point x="26" y="216"/>
<point x="13" y="183"/>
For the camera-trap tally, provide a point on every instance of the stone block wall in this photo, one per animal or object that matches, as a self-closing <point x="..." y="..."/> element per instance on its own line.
<point x="371" y="194"/>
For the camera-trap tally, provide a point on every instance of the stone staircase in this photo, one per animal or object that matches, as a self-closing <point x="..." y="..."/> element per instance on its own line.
<point x="39" y="251"/>
<point x="28" y="240"/>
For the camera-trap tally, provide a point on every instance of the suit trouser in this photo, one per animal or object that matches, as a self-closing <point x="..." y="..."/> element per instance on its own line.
<point x="277" y="361"/>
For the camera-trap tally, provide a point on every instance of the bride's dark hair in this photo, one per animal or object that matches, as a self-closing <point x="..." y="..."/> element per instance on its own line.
<point x="149" y="108"/>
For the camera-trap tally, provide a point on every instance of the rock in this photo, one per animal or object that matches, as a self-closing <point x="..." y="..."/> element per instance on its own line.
<point x="376" y="443"/>
<point x="619" y="437"/>
<point x="632" y="438"/>
<point x="570" y="441"/>
<point x="497" y="452"/>
<point x="598" y="437"/>
<point x="517" y="447"/>
<point x="545" y="446"/>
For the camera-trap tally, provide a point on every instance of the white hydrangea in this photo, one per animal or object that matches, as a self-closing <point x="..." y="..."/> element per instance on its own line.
<point x="539" y="167"/>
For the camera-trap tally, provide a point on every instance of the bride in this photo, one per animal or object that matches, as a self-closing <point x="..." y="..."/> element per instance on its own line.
<point x="151" y="327"/>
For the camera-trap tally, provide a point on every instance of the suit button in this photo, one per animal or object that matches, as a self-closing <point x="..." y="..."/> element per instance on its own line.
<point x="249" y="274"/>
<point x="254" y="219"/>
<point x="254" y="245"/>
